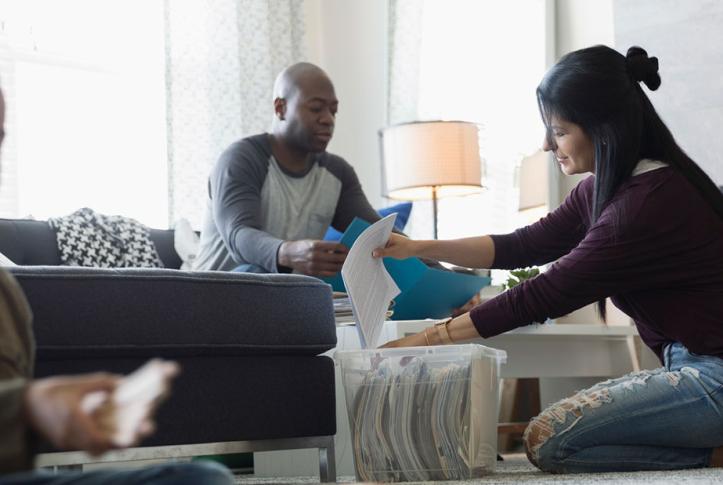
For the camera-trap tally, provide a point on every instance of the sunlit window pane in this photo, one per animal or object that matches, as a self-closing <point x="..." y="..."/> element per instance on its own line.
<point x="481" y="61"/>
<point x="89" y="101"/>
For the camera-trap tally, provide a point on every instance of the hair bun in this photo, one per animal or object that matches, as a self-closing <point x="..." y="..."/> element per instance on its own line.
<point x="643" y="68"/>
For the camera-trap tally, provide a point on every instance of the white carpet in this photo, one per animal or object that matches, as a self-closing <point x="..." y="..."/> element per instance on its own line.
<point x="516" y="469"/>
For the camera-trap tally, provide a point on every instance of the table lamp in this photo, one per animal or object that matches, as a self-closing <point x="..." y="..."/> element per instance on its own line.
<point x="425" y="160"/>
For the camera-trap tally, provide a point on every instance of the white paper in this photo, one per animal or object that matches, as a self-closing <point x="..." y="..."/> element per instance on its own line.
<point x="367" y="282"/>
<point x="121" y="413"/>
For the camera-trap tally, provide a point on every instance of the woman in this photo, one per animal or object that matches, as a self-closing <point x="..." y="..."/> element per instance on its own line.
<point x="646" y="230"/>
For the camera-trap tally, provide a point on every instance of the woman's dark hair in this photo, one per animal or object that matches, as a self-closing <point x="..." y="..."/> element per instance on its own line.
<point x="599" y="89"/>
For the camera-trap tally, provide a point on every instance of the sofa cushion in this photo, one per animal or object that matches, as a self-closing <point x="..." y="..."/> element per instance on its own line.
<point x="92" y="312"/>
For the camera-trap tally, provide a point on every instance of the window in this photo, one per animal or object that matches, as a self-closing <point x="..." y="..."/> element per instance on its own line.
<point x="85" y="86"/>
<point x="480" y="62"/>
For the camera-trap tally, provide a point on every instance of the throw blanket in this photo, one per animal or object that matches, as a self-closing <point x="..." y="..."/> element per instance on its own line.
<point x="86" y="238"/>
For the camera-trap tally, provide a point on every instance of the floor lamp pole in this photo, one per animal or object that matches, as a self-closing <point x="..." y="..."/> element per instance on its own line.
<point x="434" y="208"/>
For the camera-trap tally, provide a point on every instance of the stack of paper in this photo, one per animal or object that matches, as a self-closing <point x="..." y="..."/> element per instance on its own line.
<point x="418" y="424"/>
<point x="342" y="308"/>
<point x="343" y="313"/>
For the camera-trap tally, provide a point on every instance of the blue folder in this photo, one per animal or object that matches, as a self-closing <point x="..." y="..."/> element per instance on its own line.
<point x="425" y="292"/>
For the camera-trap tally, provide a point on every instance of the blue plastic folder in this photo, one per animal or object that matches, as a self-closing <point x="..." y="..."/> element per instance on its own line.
<point x="425" y="292"/>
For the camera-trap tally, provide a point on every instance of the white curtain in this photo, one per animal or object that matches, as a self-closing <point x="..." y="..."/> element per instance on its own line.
<point x="8" y="153"/>
<point x="405" y="43"/>
<point x="222" y="57"/>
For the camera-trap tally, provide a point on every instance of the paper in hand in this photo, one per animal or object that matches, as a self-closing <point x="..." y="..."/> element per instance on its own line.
<point x="122" y="413"/>
<point x="367" y="282"/>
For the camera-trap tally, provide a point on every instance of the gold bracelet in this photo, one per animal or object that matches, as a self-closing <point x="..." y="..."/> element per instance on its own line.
<point x="443" y="331"/>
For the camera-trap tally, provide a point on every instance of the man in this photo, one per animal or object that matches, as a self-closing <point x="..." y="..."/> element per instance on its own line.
<point x="53" y="408"/>
<point x="272" y="196"/>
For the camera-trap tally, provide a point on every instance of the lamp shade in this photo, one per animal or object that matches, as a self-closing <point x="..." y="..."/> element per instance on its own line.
<point x="534" y="180"/>
<point x="420" y="158"/>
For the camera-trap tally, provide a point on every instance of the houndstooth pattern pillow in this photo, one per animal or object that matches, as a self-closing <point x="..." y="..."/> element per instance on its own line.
<point x="86" y="238"/>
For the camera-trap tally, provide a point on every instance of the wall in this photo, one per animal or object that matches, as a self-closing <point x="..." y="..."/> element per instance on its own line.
<point x="348" y="39"/>
<point x="581" y="24"/>
<point x="687" y="39"/>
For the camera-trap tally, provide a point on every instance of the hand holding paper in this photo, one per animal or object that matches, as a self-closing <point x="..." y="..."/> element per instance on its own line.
<point x="398" y="246"/>
<point x="126" y="414"/>
<point x="425" y="292"/>
<point x="367" y="282"/>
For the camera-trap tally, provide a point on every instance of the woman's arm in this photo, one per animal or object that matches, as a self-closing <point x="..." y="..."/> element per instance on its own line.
<point x="610" y="260"/>
<point x="455" y="330"/>
<point x="471" y="252"/>
<point x="548" y="239"/>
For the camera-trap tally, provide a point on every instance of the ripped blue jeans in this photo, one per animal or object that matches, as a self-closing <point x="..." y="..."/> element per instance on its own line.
<point x="666" y="419"/>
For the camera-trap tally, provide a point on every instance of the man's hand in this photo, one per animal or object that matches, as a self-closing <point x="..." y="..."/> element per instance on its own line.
<point x="53" y="407"/>
<point x="473" y="302"/>
<point x="398" y="247"/>
<point x="311" y="257"/>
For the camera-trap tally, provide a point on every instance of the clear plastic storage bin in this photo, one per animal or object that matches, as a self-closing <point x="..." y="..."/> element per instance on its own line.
<point x="422" y="413"/>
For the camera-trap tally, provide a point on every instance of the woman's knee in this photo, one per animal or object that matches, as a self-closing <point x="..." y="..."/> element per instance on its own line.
<point x="548" y="437"/>
<point x="540" y="444"/>
<point x="542" y="439"/>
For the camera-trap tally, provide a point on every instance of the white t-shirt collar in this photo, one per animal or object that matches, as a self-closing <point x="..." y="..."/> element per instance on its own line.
<point x="647" y="165"/>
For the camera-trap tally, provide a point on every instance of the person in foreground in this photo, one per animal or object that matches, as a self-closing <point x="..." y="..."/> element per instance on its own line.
<point x="52" y="409"/>
<point x="646" y="230"/>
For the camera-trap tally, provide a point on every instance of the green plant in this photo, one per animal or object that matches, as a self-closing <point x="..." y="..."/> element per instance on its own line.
<point x="519" y="275"/>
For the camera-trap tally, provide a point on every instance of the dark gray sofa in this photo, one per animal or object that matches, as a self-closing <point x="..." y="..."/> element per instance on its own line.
<point x="249" y="344"/>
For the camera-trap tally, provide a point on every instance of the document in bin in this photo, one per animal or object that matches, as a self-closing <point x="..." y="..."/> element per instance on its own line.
<point x="369" y="286"/>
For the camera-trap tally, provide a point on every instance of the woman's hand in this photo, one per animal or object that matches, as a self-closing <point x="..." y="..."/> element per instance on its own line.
<point x="415" y="340"/>
<point x="398" y="247"/>
<point x="459" y="329"/>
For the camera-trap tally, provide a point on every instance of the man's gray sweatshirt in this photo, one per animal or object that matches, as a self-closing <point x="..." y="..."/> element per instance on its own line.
<point x="254" y="204"/>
